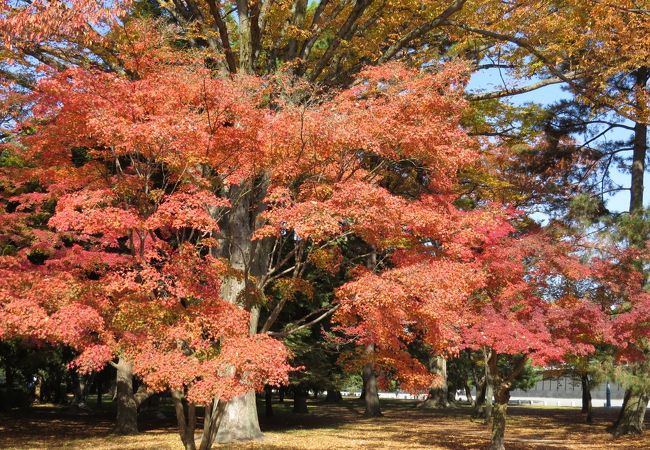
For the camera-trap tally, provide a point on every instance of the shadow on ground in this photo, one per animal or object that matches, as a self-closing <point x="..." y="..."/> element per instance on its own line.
<point x="326" y="426"/>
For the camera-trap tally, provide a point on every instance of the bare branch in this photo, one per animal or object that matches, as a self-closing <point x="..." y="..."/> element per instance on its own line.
<point x="507" y="92"/>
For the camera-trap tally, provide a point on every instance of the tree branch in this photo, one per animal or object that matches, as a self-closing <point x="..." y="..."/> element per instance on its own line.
<point x="514" y="91"/>
<point x="223" y="35"/>
<point x="421" y="30"/>
<point x="344" y="33"/>
<point x="288" y="332"/>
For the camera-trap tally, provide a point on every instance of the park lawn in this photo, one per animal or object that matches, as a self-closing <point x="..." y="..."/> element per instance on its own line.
<point x="340" y="426"/>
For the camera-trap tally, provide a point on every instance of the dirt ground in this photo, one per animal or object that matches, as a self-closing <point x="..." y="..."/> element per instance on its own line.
<point x="340" y="426"/>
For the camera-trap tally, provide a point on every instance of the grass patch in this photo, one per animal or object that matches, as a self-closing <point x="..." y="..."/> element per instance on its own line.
<point x="327" y="426"/>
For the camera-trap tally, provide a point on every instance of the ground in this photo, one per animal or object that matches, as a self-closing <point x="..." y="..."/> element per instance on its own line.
<point x="327" y="426"/>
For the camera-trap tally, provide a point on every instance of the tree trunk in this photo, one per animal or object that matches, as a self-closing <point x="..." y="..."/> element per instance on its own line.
<point x="438" y="396"/>
<point x="211" y="422"/>
<point x="499" y="419"/>
<point x="484" y="395"/>
<point x="639" y="148"/>
<point x="127" y="407"/>
<point x="333" y="396"/>
<point x="371" y="394"/>
<point x="239" y="422"/>
<point x="246" y="63"/>
<point x="490" y="364"/>
<point x="300" y="400"/>
<point x="632" y="414"/>
<point x="80" y="386"/>
<point x="98" y="387"/>
<point x="186" y="418"/>
<point x="298" y="12"/>
<point x="586" y="397"/>
<point x="631" y="417"/>
<point x="468" y="394"/>
<point x="59" y="389"/>
<point x="268" y="400"/>
<point x="479" y="404"/>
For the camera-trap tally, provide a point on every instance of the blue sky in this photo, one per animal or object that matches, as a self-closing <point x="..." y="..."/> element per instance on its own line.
<point x="491" y="80"/>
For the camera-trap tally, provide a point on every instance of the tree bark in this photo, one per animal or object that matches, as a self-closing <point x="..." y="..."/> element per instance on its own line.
<point x="468" y="394"/>
<point x="371" y="392"/>
<point x="127" y="407"/>
<point x="240" y="422"/>
<point x="246" y="54"/>
<point x="586" y="397"/>
<point x="186" y="418"/>
<point x="300" y="400"/>
<point x="211" y="421"/>
<point x="438" y="396"/>
<point x="632" y="415"/>
<point x="499" y="419"/>
<point x="479" y="404"/>
<point x="640" y="146"/>
<point x="484" y="399"/>
<point x="297" y="20"/>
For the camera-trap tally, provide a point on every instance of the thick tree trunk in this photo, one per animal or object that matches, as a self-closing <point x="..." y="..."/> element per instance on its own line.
<point x="127" y="407"/>
<point x="632" y="415"/>
<point x="438" y="396"/>
<point x="586" y="398"/>
<point x="499" y="419"/>
<point x="240" y="422"/>
<point x="371" y="392"/>
<point x="333" y="396"/>
<point x="300" y="400"/>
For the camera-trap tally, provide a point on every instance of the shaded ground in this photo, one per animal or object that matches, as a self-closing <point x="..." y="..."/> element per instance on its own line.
<point x="327" y="426"/>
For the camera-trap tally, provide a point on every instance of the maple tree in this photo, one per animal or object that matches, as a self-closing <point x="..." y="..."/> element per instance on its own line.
<point x="118" y="246"/>
<point x="525" y="313"/>
<point x="170" y="203"/>
<point x="172" y="186"/>
<point x="620" y="286"/>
